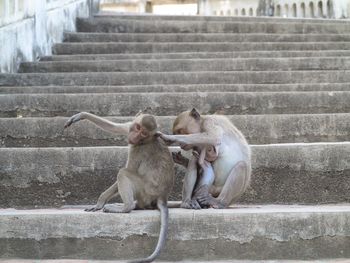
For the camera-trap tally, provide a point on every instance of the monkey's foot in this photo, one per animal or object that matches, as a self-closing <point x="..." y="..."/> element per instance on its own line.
<point x="93" y="209"/>
<point x="180" y="159"/>
<point x="190" y="204"/>
<point x="116" y="209"/>
<point x="209" y="201"/>
<point x="201" y="194"/>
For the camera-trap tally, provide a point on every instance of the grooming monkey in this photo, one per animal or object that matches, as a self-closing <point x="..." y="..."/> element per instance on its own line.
<point x="149" y="173"/>
<point x="231" y="159"/>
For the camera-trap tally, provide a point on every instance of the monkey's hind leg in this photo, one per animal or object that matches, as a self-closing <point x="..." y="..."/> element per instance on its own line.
<point x="235" y="185"/>
<point x="107" y="195"/>
<point x="188" y="202"/>
<point x="128" y="183"/>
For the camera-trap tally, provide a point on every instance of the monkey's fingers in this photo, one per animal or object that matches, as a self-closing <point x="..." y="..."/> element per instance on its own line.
<point x="75" y="118"/>
<point x="210" y="201"/>
<point x="68" y="123"/>
<point x="158" y="134"/>
<point x="166" y="138"/>
<point x="190" y="204"/>
<point x="195" y="153"/>
<point x="92" y="209"/>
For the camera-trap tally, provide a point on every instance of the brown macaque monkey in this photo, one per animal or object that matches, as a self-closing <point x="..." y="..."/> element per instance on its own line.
<point x="149" y="173"/>
<point x="231" y="161"/>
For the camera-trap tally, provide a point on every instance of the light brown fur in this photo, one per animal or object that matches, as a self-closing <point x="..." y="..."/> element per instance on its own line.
<point x="148" y="177"/>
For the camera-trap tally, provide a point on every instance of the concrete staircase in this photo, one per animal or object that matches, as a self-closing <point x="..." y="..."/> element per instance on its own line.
<point x="284" y="83"/>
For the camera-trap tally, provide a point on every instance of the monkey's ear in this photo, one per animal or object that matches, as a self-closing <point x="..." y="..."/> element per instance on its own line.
<point x="195" y="114"/>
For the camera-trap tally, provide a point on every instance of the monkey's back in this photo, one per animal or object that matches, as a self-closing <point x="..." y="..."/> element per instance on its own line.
<point x="156" y="168"/>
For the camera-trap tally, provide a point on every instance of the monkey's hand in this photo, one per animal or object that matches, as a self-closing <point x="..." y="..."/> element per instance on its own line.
<point x="168" y="139"/>
<point x="75" y="118"/>
<point x="190" y="204"/>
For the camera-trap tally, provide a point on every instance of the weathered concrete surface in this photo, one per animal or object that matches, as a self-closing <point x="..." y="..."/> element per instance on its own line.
<point x="163" y="104"/>
<point x="115" y="25"/>
<point x="258" y="129"/>
<point x="31" y="33"/>
<point x="182" y="65"/>
<point x="202" y="37"/>
<point x="178" y="88"/>
<point x="154" y="78"/>
<point x="253" y="232"/>
<point x="167" y="47"/>
<point x="198" y="55"/>
<point x="184" y="261"/>
<point x="282" y="173"/>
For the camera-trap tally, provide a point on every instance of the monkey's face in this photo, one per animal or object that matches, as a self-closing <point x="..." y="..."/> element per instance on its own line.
<point x="137" y="134"/>
<point x="185" y="123"/>
<point x="142" y="130"/>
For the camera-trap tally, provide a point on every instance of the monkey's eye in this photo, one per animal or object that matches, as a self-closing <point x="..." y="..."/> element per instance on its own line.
<point x="137" y="127"/>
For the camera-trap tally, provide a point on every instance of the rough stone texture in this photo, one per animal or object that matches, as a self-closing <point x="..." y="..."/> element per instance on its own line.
<point x="258" y="129"/>
<point x="154" y="78"/>
<point x="197" y="55"/>
<point x="123" y="104"/>
<point x="202" y="37"/>
<point x="113" y="47"/>
<point x="177" y="88"/>
<point x="160" y="261"/>
<point x="116" y="25"/>
<point x="253" y="232"/>
<point x="282" y="173"/>
<point x="182" y="65"/>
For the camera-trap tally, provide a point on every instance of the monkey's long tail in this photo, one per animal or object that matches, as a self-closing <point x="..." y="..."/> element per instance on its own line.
<point x="164" y="219"/>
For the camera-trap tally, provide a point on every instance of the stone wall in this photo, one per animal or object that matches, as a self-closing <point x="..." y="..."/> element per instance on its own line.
<point x="28" y="29"/>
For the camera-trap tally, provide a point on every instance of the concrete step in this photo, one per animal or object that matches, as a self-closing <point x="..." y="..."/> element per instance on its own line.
<point x="165" y="78"/>
<point x="258" y="129"/>
<point x="107" y="25"/>
<point x="201" y="55"/>
<point x="183" y="65"/>
<point x="163" y="104"/>
<point x="202" y="37"/>
<point x="172" y="47"/>
<point x="158" y="261"/>
<point x="201" y="18"/>
<point x="177" y="88"/>
<point x="282" y="173"/>
<point x="258" y="233"/>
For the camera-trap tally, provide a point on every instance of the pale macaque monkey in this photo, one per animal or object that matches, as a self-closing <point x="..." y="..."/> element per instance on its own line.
<point x="230" y="158"/>
<point x="148" y="177"/>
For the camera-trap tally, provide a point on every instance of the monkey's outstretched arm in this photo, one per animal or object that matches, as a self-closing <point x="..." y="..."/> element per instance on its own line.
<point x="198" y="139"/>
<point x="119" y="128"/>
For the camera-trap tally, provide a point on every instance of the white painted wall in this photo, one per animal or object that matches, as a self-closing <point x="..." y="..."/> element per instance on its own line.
<point x="339" y="8"/>
<point x="28" y="29"/>
<point x="228" y="7"/>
